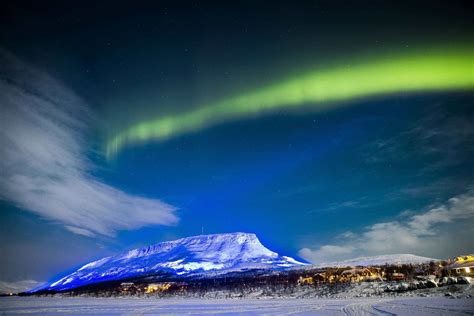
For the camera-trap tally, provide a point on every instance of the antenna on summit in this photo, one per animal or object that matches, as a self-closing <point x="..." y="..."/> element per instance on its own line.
<point x="202" y="230"/>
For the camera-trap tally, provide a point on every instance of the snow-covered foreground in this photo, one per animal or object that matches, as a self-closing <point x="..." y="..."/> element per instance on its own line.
<point x="149" y="306"/>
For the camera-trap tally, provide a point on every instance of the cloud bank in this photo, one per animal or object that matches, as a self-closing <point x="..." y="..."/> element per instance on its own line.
<point x="18" y="287"/>
<point x="44" y="165"/>
<point x="441" y="231"/>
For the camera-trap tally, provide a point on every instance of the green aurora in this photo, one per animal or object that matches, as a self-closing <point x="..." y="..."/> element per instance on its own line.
<point x="323" y="89"/>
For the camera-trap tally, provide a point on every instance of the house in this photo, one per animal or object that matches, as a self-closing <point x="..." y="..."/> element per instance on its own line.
<point x="463" y="259"/>
<point x="462" y="266"/>
<point x="158" y="287"/>
<point x="305" y="280"/>
<point x="319" y="277"/>
<point x="359" y="275"/>
<point x="397" y="276"/>
<point x="128" y="287"/>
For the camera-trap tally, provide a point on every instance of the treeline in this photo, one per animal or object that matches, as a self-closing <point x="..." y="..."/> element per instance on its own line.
<point x="265" y="283"/>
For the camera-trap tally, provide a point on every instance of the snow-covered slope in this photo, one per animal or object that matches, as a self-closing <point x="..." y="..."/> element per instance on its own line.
<point x="379" y="260"/>
<point x="205" y="254"/>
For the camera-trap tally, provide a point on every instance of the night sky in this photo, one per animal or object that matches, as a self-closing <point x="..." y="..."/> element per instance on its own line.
<point x="331" y="129"/>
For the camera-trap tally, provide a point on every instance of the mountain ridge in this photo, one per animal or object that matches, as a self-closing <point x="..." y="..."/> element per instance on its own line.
<point x="378" y="260"/>
<point x="184" y="257"/>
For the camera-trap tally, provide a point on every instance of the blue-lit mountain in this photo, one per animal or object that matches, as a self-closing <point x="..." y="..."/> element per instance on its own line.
<point x="205" y="255"/>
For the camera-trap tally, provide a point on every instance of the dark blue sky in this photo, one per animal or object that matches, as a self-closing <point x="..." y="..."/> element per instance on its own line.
<point x="287" y="177"/>
<point x="316" y="185"/>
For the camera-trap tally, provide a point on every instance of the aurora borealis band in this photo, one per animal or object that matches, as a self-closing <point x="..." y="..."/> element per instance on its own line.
<point x="432" y="70"/>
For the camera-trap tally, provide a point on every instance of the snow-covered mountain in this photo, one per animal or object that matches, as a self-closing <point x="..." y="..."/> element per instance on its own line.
<point x="379" y="260"/>
<point x="198" y="255"/>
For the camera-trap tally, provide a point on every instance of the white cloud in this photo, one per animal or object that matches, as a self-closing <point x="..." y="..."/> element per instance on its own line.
<point x="19" y="286"/>
<point x="457" y="208"/>
<point x="44" y="165"/>
<point x="441" y="231"/>
<point x="328" y="252"/>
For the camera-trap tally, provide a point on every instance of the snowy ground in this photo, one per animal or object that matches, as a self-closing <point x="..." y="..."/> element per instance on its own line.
<point x="150" y="306"/>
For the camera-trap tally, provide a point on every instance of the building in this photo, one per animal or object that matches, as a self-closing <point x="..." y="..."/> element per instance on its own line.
<point x="319" y="277"/>
<point x="305" y="280"/>
<point x="128" y="287"/>
<point x="466" y="258"/>
<point x="397" y="276"/>
<point x="359" y="275"/>
<point x="158" y="287"/>
<point x="462" y="266"/>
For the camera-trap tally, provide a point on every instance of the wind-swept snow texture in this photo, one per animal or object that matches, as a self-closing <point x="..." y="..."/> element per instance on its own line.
<point x="142" y="306"/>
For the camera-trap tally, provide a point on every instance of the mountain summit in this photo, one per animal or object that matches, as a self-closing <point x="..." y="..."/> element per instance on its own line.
<point x="192" y="256"/>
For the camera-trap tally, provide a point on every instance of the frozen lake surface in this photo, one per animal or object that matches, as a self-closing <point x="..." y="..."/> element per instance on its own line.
<point x="151" y="306"/>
